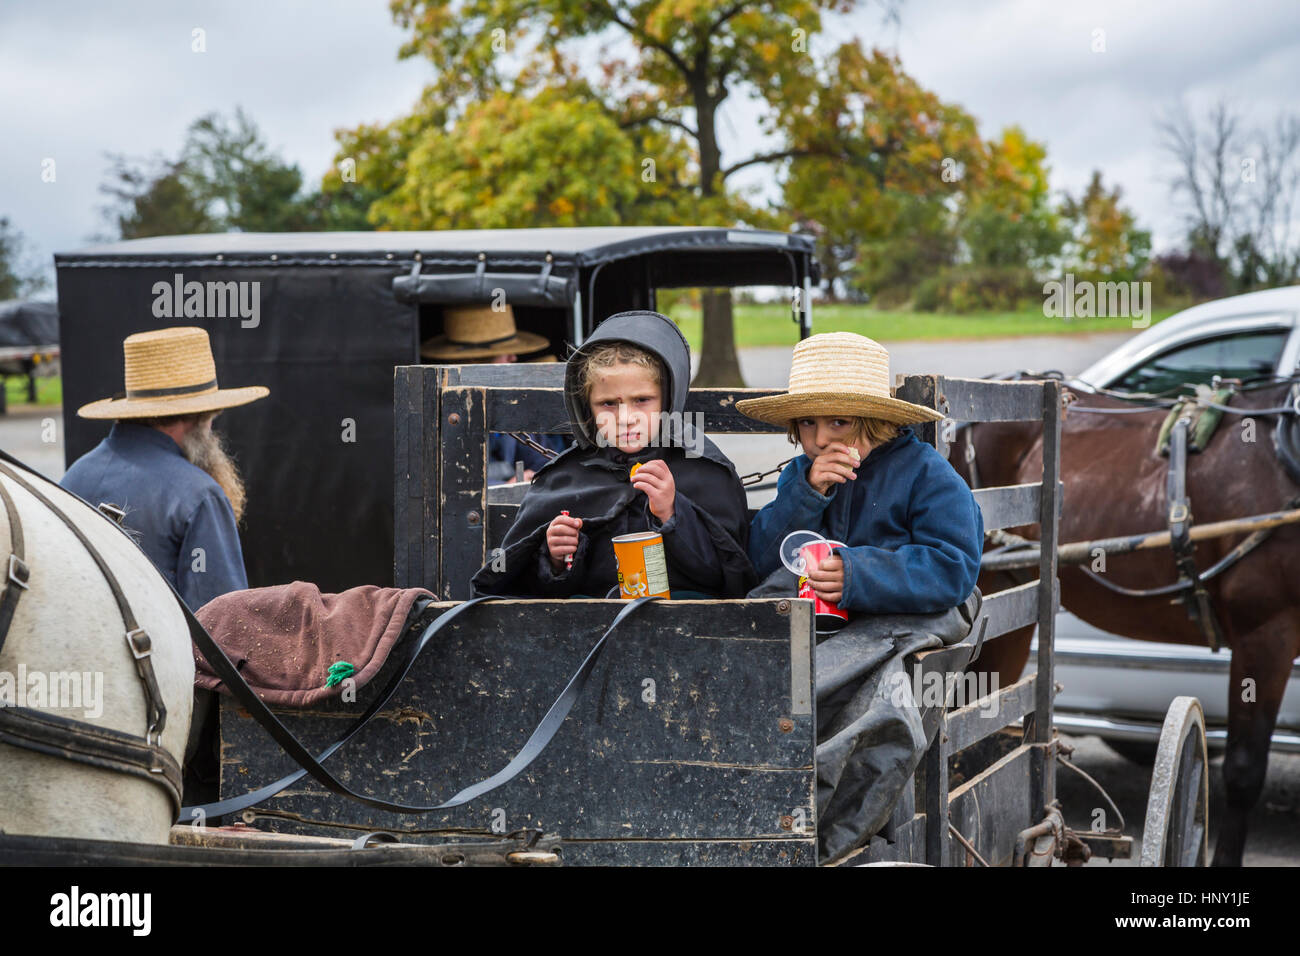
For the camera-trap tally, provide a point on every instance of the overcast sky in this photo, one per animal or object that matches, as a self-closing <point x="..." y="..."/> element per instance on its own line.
<point x="79" y="78"/>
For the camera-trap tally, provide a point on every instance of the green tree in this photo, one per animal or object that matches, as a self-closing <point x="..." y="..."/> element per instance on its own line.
<point x="18" y="279"/>
<point x="1011" y="223"/>
<point x="225" y="179"/>
<point x="157" y="201"/>
<point x="1105" y="242"/>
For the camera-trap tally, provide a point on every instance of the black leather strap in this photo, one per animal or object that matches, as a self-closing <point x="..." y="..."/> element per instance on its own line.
<point x="94" y="746"/>
<point x="15" y="569"/>
<point x="531" y="749"/>
<point x="1194" y="596"/>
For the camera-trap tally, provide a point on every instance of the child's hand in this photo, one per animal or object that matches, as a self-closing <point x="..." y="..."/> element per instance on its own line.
<point x="562" y="539"/>
<point x="836" y="464"/>
<point x="828" y="579"/>
<point x="655" y="479"/>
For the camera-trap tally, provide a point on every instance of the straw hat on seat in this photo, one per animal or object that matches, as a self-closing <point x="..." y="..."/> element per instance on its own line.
<point x="170" y="372"/>
<point x="837" y="373"/>
<point x="478" y="332"/>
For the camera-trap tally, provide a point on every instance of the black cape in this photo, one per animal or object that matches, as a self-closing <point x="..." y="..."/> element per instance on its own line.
<point x="704" y="541"/>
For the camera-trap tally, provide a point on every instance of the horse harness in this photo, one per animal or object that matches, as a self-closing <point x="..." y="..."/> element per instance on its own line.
<point x="78" y="740"/>
<point x="1188" y="427"/>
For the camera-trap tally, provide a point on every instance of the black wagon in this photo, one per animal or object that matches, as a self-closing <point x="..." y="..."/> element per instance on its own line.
<point x="323" y="319"/>
<point x="694" y="737"/>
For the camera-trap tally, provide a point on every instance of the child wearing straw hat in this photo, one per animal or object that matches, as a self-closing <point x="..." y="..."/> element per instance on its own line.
<point x="911" y="529"/>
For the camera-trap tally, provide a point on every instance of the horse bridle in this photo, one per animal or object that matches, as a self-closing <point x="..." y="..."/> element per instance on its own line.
<point x="1189" y="589"/>
<point x="78" y="740"/>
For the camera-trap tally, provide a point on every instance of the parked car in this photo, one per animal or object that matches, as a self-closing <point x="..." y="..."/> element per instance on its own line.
<point x="1239" y="337"/>
<point x="1118" y="688"/>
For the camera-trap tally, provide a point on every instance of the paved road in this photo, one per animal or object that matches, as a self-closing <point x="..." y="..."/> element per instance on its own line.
<point x="1273" y="833"/>
<point x="34" y="436"/>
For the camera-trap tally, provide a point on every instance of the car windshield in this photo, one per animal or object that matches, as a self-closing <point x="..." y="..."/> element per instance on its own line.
<point x="1244" y="355"/>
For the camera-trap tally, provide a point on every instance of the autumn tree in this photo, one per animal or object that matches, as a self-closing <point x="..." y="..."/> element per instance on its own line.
<point x="890" y="164"/>
<point x="1105" y="242"/>
<point x="665" y="70"/>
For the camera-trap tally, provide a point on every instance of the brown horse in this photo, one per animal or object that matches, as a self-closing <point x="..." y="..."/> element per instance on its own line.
<point x="1115" y="484"/>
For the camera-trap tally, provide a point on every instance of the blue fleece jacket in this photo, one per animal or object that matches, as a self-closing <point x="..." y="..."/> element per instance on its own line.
<point x="912" y="530"/>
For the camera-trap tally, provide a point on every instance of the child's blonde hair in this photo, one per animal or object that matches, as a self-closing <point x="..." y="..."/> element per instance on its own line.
<point x="604" y="357"/>
<point x="877" y="431"/>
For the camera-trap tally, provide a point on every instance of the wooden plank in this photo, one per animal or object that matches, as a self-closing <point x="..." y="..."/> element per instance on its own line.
<point x="985" y="717"/>
<point x="1009" y="506"/>
<point x="435" y="381"/>
<point x="715" y="752"/>
<point x="923" y="390"/>
<point x="542" y="410"/>
<point x="511" y="375"/>
<point x="935" y="763"/>
<point x="1010" y="609"/>
<point x="408" y="479"/>
<point x="1044" y="783"/>
<point x="991" y="809"/>
<point x="463" y="450"/>
<point x="979" y="400"/>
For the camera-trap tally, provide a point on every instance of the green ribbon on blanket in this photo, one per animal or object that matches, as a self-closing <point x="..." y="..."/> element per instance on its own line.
<point x="339" y="672"/>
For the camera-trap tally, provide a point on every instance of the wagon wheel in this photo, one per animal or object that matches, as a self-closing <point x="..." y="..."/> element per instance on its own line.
<point x="1176" y="832"/>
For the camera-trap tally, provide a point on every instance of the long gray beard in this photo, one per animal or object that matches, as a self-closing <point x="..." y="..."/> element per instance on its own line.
<point x="203" y="447"/>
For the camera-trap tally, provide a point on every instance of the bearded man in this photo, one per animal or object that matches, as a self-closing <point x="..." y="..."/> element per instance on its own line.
<point x="164" y="467"/>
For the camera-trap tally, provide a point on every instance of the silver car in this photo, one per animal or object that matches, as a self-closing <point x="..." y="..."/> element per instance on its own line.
<point x="1117" y="688"/>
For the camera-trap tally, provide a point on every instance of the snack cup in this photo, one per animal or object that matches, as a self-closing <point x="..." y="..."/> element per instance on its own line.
<point x="829" y="616"/>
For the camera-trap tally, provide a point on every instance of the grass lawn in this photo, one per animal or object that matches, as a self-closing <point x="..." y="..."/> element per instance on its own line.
<point x="771" y="324"/>
<point x="49" y="391"/>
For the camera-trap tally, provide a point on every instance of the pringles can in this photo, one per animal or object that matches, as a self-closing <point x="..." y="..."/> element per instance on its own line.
<point x="642" y="565"/>
<point x="829" y="616"/>
<point x="801" y="550"/>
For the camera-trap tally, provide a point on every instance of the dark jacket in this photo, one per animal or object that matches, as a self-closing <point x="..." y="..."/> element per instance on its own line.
<point x="913" y="531"/>
<point x="173" y="509"/>
<point x="704" y="541"/>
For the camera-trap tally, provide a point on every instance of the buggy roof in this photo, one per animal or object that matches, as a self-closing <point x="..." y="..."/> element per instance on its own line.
<point x="584" y="245"/>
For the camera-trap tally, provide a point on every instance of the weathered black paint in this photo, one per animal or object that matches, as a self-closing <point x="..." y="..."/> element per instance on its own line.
<point x="707" y="759"/>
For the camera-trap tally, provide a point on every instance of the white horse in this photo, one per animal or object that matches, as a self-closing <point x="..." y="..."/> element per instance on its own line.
<point x="68" y="633"/>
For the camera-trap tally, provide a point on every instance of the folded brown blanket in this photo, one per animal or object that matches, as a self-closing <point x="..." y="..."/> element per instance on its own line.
<point x="284" y="639"/>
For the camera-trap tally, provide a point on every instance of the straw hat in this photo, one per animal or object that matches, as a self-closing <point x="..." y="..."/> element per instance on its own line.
<point x="170" y="372"/>
<point x="479" y="332"/>
<point x="837" y="373"/>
